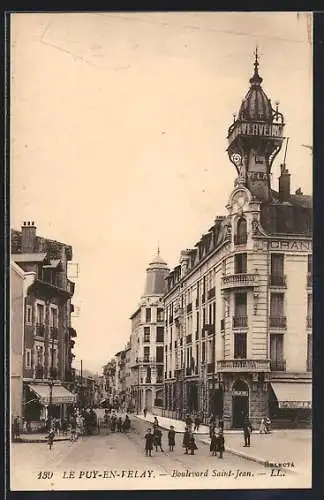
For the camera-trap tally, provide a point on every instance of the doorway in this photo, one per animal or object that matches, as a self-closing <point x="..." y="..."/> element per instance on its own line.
<point x="240" y="403"/>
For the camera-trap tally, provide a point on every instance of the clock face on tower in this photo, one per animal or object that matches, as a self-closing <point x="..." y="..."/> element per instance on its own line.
<point x="239" y="200"/>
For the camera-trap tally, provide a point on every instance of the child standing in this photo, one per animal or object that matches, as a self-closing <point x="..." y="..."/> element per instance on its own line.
<point x="192" y="444"/>
<point x="148" y="443"/>
<point x="171" y="438"/>
<point x="50" y="438"/>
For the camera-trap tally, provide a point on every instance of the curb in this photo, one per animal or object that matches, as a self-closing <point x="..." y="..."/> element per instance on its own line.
<point x="38" y="440"/>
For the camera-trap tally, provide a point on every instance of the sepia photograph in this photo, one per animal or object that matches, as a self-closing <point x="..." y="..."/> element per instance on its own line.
<point x="161" y="221"/>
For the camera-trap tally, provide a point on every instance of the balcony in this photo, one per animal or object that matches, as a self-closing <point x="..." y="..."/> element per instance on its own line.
<point x="277" y="281"/>
<point x="159" y="380"/>
<point x="209" y="328"/>
<point x="309" y="280"/>
<point x="189" y="371"/>
<point x="239" y="280"/>
<point x="40" y="330"/>
<point x="146" y="340"/>
<point x="243" y="365"/>
<point x="278" y="322"/>
<point x="210" y="367"/>
<point x="240" y="322"/>
<point x="211" y="293"/>
<point x="277" y="365"/>
<point x="240" y="239"/>
<point x="148" y="380"/>
<point x="189" y="308"/>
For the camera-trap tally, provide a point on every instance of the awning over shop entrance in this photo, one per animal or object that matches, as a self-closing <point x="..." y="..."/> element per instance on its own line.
<point x="293" y="394"/>
<point x="60" y="395"/>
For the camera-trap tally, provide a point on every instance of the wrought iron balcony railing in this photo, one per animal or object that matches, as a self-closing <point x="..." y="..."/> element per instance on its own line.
<point x="240" y="321"/>
<point x="278" y="365"/>
<point x="278" y="280"/>
<point x="240" y="239"/>
<point x="278" y="321"/>
<point x="40" y="329"/>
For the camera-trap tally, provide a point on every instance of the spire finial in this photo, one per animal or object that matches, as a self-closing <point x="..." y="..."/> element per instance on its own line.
<point x="158" y="249"/>
<point x="256" y="62"/>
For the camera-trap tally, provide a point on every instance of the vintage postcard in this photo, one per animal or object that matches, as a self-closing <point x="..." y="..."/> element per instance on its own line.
<point x="161" y="250"/>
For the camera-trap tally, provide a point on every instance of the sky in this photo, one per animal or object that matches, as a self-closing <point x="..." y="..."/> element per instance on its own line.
<point x="118" y="139"/>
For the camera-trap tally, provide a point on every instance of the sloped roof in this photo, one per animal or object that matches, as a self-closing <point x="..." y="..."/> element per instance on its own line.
<point x="28" y="257"/>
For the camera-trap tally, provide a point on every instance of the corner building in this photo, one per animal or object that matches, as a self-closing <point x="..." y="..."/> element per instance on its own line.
<point x="147" y="340"/>
<point x="239" y="304"/>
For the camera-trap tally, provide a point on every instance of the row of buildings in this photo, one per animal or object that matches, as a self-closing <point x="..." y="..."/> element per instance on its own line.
<point x="43" y="381"/>
<point x="228" y="331"/>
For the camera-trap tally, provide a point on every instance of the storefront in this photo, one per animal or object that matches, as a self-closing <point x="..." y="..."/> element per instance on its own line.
<point x="40" y="400"/>
<point x="290" y="404"/>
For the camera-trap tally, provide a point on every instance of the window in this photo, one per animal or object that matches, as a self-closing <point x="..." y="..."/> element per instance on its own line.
<point x="160" y="334"/>
<point x="240" y="345"/>
<point x="159" y="354"/>
<point x="197" y="323"/>
<point x="54" y="317"/>
<point x="147" y="332"/>
<point x="240" y="263"/>
<point x="29" y="315"/>
<point x="146" y="353"/>
<point x="240" y="316"/>
<point x="277" y="269"/>
<point x="40" y="314"/>
<point x="160" y="314"/>
<point x="310" y="264"/>
<point x="148" y="315"/>
<point x="241" y="232"/>
<point x="28" y="359"/>
<point x="203" y="352"/>
<point x="277" y="362"/>
<point x="277" y="305"/>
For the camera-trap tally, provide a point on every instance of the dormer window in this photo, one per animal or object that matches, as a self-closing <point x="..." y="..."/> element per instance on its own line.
<point x="241" y="232"/>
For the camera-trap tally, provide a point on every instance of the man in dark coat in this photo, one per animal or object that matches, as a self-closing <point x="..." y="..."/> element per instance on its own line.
<point x="247" y="429"/>
<point x="171" y="438"/>
<point x="220" y="443"/>
<point x="148" y="443"/>
<point x="157" y="438"/>
<point x="185" y="442"/>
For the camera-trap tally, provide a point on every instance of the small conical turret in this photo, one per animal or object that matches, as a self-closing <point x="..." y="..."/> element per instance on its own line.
<point x="156" y="274"/>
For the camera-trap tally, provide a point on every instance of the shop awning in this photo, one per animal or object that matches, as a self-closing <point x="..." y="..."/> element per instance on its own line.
<point x="293" y="394"/>
<point x="60" y="395"/>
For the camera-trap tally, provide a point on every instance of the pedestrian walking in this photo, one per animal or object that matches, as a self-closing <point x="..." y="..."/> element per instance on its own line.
<point x="50" y="438"/>
<point x="119" y="425"/>
<point x="156" y="422"/>
<point x="127" y="423"/>
<point x="171" y="438"/>
<point x="73" y="428"/>
<point x="213" y="445"/>
<point x="16" y="428"/>
<point x="197" y="423"/>
<point x="220" y="444"/>
<point x="185" y="442"/>
<point x="148" y="443"/>
<point x="247" y="429"/>
<point x="212" y="427"/>
<point x="188" y="422"/>
<point x="192" y="444"/>
<point x="113" y="423"/>
<point x="267" y="425"/>
<point x="157" y="438"/>
<point x="145" y="412"/>
<point x="262" y="428"/>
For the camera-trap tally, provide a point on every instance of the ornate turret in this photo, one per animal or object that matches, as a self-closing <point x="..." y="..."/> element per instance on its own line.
<point x="156" y="274"/>
<point x="255" y="138"/>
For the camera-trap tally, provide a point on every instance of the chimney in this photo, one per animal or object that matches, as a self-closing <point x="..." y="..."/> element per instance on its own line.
<point x="284" y="183"/>
<point x="28" y="237"/>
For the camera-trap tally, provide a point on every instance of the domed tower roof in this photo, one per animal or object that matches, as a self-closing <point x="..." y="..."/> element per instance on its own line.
<point x="256" y="105"/>
<point x="156" y="274"/>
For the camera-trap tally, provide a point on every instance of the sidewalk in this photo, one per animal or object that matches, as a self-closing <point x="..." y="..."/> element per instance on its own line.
<point x="38" y="438"/>
<point x="281" y="446"/>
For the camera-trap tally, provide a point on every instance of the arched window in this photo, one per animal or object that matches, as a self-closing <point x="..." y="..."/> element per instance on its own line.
<point x="241" y="232"/>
